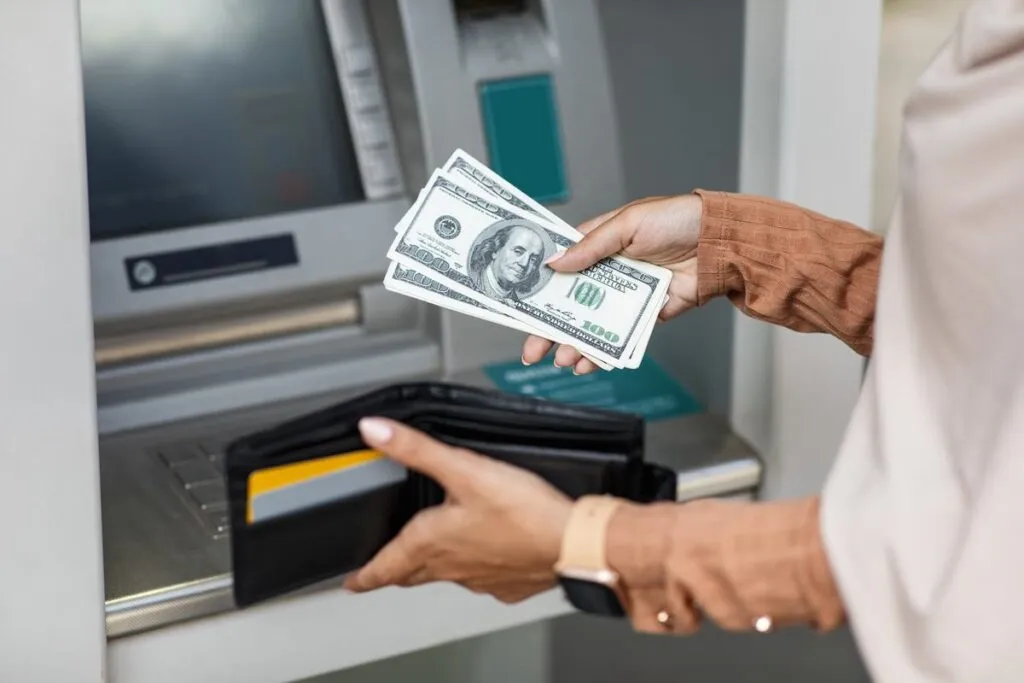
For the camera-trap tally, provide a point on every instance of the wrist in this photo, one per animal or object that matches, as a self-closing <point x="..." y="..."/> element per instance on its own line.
<point x="556" y="524"/>
<point x="638" y="543"/>
<point x="716" y="231"/>
<point x="582" y="568"/>
<point x="584" y="532"/>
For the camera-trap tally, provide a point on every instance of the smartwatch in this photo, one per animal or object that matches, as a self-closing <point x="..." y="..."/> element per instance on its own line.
<point x="583" y="572"/>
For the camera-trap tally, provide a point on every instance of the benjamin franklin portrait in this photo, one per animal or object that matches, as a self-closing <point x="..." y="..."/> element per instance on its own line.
<point x="505" y="262"/>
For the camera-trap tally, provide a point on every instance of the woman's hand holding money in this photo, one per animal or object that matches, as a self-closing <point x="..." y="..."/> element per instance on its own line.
<point x="663" y="231"/>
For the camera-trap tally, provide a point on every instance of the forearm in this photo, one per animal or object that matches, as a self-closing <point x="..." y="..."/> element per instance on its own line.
<point x="733" y="561"/>
<point x="793" y="267"/>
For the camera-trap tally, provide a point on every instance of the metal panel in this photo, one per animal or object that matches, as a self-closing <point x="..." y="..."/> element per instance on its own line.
<point x="273" y="372"/>
<point x="51" y="609"/>
<point x="677" y="75"/>
<point x="827" y="134"/>
<point x="339" y="245"/>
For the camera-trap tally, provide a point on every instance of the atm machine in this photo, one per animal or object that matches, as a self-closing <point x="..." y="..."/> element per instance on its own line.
<point x="247" y="161"/>
<point x="246" y="164"/>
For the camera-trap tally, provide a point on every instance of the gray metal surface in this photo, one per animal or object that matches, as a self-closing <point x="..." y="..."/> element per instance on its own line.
<point x="175" y="389"/>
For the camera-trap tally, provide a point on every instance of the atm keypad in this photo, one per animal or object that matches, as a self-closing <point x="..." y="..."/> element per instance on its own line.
<point x="197" y="472"/>
<point x="178" y="454"/>
<point x="198" y="469"/>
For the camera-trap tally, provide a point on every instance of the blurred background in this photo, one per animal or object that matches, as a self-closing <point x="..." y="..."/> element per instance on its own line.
<point x="912" y="31"/>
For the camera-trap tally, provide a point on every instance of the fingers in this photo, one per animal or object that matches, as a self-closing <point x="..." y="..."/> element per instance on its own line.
<point x="396" y="564"/>
<point x="603" y="236"/>
<point x="644" y="606"/>
<point x="567" y="357"/>
<point x="446" y="465"/>
<point x="608" y="238"/>
<point x="535" y="348"/>
<point x="596" y="221"/>
<point x="514" y="593"/>
<point x="589" y="225"/>
<point x="585" y="366"/>
<point x="673" y="308"/>
<point x="649" y="613"/>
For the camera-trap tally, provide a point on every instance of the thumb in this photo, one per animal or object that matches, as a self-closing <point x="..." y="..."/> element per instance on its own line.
<point x="607" y="239"/>
<point x="410" y="447"/>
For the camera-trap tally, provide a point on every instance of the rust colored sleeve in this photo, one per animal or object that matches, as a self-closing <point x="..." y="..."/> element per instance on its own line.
<point x="789" y="266"/>
<point x="733" y="562"/>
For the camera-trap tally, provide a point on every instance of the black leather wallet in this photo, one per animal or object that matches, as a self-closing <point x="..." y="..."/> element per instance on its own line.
<point x="309" y="502"/>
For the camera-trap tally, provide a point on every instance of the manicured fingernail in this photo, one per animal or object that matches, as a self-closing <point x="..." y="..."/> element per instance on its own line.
<point x="525" y="362"/>
<point x="375" y="429"/>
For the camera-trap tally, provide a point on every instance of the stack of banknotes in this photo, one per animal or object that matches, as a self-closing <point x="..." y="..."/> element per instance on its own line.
<point x="475" y="244"/>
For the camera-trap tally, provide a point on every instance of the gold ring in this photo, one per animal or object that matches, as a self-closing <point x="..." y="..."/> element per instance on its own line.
<point x="665" y="619"/>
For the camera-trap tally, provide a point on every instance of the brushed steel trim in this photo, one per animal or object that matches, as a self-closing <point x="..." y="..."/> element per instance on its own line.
<point x="146" y="611"/>
<point x="718" y="480"/>
<point x="144" y="346"/>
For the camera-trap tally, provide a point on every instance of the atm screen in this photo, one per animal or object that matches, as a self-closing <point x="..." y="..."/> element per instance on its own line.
<point x="202" y="111"/>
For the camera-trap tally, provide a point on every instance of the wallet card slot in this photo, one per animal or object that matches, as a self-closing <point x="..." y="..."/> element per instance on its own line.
<point x="311" y="491"/>
<point x="539" y="421"/>
<point x="342" y="436"/>
<point x="574" y="473"/>
<point x="403" y="402"/>
<point x="525" y="434"/>
<point x="530" y="428"/>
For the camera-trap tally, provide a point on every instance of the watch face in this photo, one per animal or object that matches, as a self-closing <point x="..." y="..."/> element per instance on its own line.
<point x="592" y="597"/>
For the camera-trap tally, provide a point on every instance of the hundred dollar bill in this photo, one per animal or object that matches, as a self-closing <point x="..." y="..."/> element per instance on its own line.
<point x="417" y="285"/>
<point x="471" y="173"/>
<point x="493" y="252"/>
<point x="409" y="282"/>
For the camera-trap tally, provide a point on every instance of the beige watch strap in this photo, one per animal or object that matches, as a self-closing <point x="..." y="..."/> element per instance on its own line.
<point x="583" y="544"/>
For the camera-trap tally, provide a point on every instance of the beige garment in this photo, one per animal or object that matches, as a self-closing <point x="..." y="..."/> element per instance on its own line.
<point x="923" y="514"/>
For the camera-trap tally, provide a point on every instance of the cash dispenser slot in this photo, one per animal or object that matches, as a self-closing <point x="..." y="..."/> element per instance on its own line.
<point x="486" y="9"/>
<point x="152" y="344"/>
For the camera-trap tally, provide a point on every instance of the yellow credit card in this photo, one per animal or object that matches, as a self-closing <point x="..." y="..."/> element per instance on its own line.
<point x="285" y="489"/>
